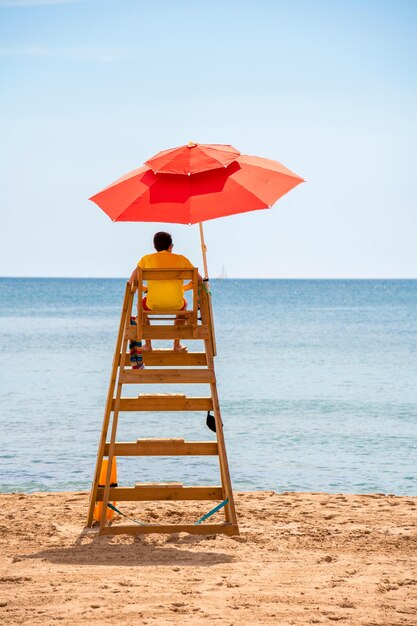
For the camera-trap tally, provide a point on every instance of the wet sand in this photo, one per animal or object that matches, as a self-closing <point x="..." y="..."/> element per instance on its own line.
<point x="301" y="558"/>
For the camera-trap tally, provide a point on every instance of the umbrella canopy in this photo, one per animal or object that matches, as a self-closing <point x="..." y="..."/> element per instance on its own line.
<point x="192" y="158"/>
<point x="248" y="183"/>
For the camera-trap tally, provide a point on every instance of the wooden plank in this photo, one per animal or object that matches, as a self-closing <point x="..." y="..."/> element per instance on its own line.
<point x="142" y="494"/>
<point x="168" y="332"/>
<point x="126" y="308"/>
<point x="184" y="313"/>
<point x="171" y="358"/>
<point x="139" y="307"/>
<point x="167" y="376"/>
<point x="161" y="448"/>
<point x="229" y="509"/>
<point x="199" y="529"/>
<point x="165" y="403"/>
<point x="170" y="485"/>
<point x="165" y="440"/>
<point x="167" y="319"/>
<point x="162" y="395"/>
<point x="167" y="274"/>
<point x="115" y="415"/>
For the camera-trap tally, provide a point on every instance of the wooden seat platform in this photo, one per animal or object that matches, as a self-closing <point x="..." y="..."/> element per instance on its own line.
<point x="163" y="447"/>
<point x="162" y="331"/>
<point x="169" y="358"/>
<point x="141" y="377"/>
<point x="164" y="402"/>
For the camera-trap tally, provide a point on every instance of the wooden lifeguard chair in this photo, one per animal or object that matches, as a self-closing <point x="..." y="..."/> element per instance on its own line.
<point x="163" y="367"/>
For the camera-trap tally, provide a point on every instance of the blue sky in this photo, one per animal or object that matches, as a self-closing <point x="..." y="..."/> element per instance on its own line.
<point x="90" y="89"/>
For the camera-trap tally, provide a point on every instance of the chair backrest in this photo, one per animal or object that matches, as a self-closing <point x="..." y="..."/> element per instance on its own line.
<point x="190" y="275"/>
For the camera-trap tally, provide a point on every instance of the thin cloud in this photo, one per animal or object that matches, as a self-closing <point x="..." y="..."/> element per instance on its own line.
<point x="101" y="54"/>
<point x="34" y="3"/>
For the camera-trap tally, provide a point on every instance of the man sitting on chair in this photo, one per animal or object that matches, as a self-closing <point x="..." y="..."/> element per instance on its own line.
<point x="164" y="294"/>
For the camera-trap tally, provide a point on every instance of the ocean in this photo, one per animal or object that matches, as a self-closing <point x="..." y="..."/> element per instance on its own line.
<point x="317" y="384"/>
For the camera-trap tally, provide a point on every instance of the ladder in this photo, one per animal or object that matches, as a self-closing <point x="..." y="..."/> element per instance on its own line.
<point x="163" y="367"/>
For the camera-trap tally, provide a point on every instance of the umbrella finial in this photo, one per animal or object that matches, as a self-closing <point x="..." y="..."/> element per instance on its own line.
<point x="191" y="144"/>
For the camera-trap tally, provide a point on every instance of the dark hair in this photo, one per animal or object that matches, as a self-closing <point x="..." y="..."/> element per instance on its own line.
<point x="162" y="241"/>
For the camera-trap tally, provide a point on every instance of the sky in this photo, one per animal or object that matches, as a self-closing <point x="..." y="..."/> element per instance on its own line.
<point x="92" y="88"/>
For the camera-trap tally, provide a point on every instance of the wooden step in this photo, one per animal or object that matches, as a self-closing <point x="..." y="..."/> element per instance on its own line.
<point x="151" y="492"/>
<point x="164" y="402"/>
<point x="162" y="331"/>
<point x="171" y="358"/>
<point x="164" y="447"/>
<point x="169" y="485"/>
<point x="167" y="376"/>
<point x="170" y="312"/>
<point x="192" y="529"/>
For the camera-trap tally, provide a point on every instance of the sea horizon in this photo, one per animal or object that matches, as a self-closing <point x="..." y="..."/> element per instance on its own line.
<point x="215" y="278"/>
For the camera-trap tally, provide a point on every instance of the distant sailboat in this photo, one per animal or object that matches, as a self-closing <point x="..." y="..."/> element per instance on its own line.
<point x="223" y="274"/>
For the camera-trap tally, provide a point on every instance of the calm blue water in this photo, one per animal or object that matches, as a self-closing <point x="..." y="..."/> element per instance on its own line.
<point x="318" y="386"/>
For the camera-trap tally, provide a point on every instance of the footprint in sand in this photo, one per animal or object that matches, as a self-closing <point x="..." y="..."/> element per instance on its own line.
<point x="15" y="579"/>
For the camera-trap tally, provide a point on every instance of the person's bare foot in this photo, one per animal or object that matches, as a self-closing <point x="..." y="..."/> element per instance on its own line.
<point x="147" y="346"/>
<point x="178" y="347"/>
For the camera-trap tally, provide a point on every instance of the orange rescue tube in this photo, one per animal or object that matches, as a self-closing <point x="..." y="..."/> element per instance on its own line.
<point x="98" y="507"/>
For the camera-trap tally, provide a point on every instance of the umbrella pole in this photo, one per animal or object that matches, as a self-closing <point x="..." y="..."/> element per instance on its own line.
<point x="206" y="281"/>
<point x="204" y="250"/>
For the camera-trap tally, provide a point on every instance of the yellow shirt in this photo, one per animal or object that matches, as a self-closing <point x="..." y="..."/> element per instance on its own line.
<point x="165" y="294"/>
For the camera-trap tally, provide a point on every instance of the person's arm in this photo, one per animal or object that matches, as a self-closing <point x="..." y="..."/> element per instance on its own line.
<point x="134" y="277"/>
<point x="189" y="265"/>
<point x="189" y="285"/>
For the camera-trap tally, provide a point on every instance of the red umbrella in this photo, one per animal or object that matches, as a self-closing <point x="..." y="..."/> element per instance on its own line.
<point x="192" y="158"/>
<point x="247" y="183"/>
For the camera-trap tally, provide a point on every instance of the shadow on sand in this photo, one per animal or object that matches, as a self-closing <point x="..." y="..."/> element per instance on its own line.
<point x="89" y="549"/>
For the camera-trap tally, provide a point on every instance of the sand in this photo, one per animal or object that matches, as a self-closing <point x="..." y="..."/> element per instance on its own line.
<point x="301" y="559"/>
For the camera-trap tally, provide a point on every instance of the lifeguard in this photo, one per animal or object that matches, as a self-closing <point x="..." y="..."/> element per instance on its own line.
<point x="165" y="294"/>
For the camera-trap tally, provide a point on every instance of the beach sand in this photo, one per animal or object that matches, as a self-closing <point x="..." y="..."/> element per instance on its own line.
<point x="301" y="559"/>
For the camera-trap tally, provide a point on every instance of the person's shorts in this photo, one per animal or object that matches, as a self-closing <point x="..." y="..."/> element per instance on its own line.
<point x="146" y="308"/>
